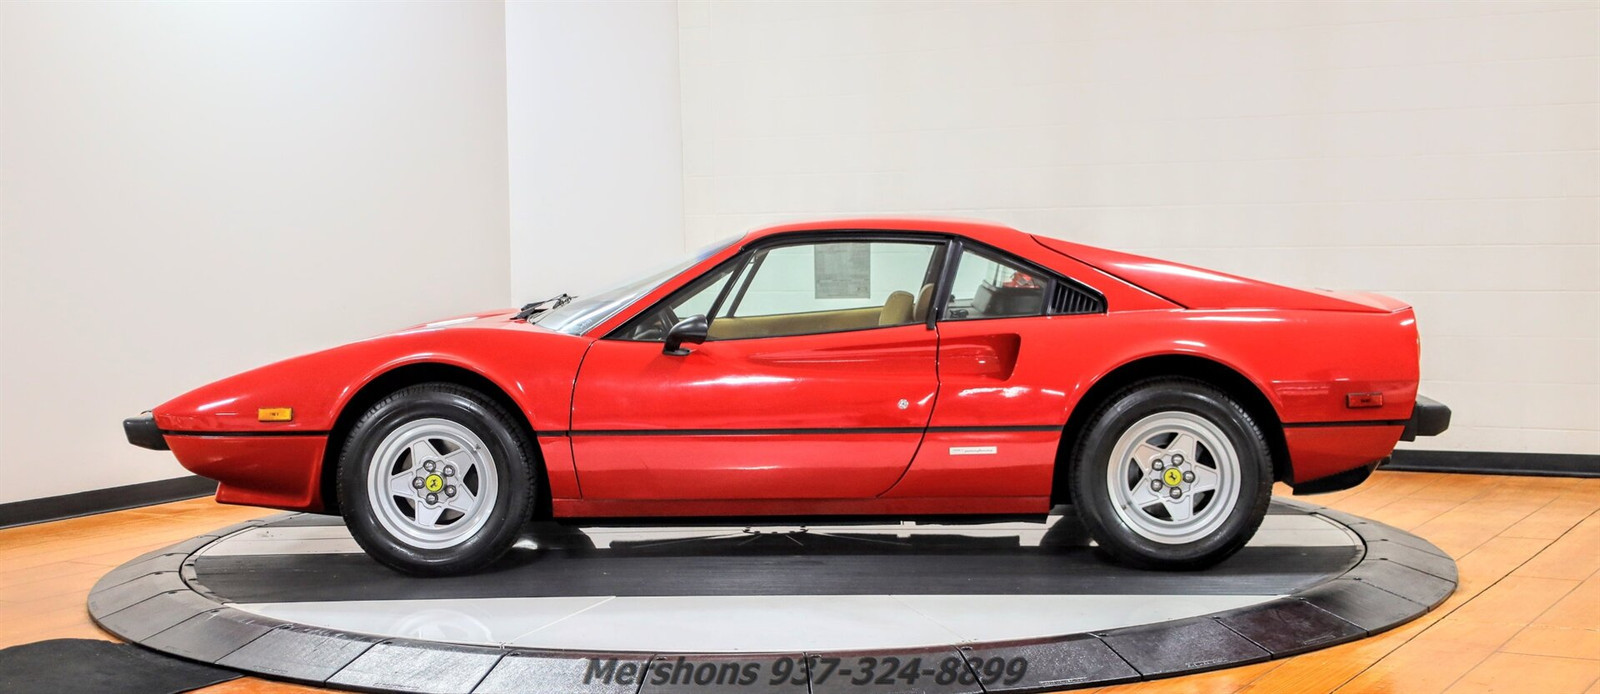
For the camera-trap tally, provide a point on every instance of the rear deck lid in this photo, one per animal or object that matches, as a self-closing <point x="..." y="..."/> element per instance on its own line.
<point x="1202" y="289"/>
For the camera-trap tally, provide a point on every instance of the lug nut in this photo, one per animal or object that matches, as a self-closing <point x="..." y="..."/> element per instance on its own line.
<point x="428" y="466"/>
<point x="1188" y="477"/>
<point x="1177" y="458"/>
<point x="1155" y="485"/>
<point x="416" y="483"/>
<point x="1157" y="465"/>
<point x="450" y="490"/>
<point x="433" y="498"/>
<point x="449" y="471"/>
<point x="1176" y="492"/>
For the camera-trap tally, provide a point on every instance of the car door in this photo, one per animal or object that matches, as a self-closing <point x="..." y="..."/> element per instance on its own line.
<point x="997" y="428"/>
<point x="815" y="381"/>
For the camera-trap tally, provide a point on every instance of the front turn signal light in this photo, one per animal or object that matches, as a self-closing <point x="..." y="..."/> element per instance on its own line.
<point x="275" y="414"/>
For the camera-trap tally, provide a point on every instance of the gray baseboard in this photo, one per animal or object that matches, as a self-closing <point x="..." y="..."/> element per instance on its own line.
<point x="1488" y="463"/>
<point x="103" y="500"/>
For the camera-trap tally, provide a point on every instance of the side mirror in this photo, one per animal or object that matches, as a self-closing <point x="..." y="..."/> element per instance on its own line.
<point x="692" y="329"/>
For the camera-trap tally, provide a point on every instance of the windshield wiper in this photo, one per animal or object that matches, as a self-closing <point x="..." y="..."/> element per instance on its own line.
<point x="550" y="304"/>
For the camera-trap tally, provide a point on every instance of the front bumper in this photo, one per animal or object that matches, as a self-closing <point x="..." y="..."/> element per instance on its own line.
<point x="143" y="432"/>
<point x="273" y="471"/>
<point x="283" y="471"/>
<point x="1428" y="418"/>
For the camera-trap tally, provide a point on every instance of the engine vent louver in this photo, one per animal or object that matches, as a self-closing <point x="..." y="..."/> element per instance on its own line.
<point x="1070" y="299"/>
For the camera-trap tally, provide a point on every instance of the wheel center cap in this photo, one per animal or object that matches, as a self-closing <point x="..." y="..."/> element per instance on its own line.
<point x="433" y="483"/>
<point x="1172" y="477"/>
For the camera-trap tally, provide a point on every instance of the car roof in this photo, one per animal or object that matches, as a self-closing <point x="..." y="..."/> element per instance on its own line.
<point x="987" y="232"/>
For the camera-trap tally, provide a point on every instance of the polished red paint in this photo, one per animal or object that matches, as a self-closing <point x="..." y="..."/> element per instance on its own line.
<point x="599" y="407"/>
<point x="840" y="381"/>
<point x="1199" y="288"/>
<point x="279" y="471"/>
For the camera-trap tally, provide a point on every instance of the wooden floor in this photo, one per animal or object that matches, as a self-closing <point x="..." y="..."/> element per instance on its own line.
<point x="1525" y="619"/>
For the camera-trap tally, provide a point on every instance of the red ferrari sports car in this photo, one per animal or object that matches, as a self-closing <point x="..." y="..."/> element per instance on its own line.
<point x="904" y="368"/>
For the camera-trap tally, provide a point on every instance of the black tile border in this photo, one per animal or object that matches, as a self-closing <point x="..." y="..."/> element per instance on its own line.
<point x="725" y="673"/>
<point x="155" y="601"/>
<point x="1080" y="660"/>
<point x="1290" y="626"/>
<point x="1183" y="646"/>
<point x="405" y="665"/>
<point x="532" y="670"/>
<point x="298" y="652"/>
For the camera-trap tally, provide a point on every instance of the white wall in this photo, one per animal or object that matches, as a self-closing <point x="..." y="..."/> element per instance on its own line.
<point x="596" y="160"/>
<point x="1444" y="153"/>
<point x="189" y="190"/>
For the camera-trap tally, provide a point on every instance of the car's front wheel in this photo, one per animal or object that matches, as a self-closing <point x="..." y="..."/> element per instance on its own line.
<point x="1172" y="474"/>
<point x="436" y="479"/>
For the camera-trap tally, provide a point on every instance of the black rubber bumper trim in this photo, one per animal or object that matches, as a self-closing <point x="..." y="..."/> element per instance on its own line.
<point x="143" y="432"/>
<point x="1429" y="418"/>
<point x="1346" y="423"/>
<point x="809" y="431"/>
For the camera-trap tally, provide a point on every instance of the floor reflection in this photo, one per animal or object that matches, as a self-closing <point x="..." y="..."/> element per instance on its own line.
<point x="1294" y="550"/>
<point x="761" y="588"/>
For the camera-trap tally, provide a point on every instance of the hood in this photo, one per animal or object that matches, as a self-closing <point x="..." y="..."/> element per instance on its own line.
<point x="1198" y="288"/>
<point x="511" y="354"/>
<point x="457" y="321"/>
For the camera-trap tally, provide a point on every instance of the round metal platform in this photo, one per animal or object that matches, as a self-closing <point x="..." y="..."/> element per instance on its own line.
<point x="815" y="608"/>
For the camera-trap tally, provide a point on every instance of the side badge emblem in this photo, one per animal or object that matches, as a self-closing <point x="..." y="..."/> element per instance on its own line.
<point x="974" y="450"/>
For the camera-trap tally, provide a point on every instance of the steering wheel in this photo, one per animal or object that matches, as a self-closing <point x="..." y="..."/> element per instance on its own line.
<point x="657" y="327"/>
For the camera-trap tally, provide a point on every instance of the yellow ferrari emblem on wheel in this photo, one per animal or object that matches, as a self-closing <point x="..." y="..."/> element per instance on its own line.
<point x="433" y="483"/>
<point x="1172" y="477"/>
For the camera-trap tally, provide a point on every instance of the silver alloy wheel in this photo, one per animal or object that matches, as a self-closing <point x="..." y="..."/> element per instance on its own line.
<point x="432" y="483"/>
<point x="1173" y="477"/>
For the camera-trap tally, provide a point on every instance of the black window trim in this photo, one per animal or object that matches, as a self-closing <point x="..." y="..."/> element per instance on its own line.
<point x="732" y="265"/>
<point x="953" y="263"/>
<point x="758" y="258"/>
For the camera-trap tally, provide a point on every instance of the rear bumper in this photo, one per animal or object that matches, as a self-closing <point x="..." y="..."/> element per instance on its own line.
<point x="1429" y="418"/>
<point x="143" y="432"/>
<point x="1323" y="450"/>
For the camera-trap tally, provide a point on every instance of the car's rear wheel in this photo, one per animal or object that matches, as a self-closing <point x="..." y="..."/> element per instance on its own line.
<point x="436" y="479"/>
<point x="1172" y="474"/>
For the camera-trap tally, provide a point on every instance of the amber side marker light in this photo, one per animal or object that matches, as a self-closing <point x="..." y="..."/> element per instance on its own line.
<point x="1356" y="401"/>
<point x="275" y="414"/>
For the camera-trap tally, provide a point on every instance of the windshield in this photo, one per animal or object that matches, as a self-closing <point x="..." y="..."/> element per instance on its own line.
<point x="579" y="315"/>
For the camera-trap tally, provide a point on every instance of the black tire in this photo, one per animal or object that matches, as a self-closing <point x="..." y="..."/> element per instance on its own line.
<point x="1091" y="466"/>
<point x="515" y="461"/>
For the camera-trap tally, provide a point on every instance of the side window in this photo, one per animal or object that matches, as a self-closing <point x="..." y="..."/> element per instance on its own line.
<point x="695" y="299"/>
<point x="829" y="286"/>
<point x="986" y="286"/>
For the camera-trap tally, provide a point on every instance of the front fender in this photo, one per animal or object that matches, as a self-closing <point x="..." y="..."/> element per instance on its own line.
<point x="534" y="367"/>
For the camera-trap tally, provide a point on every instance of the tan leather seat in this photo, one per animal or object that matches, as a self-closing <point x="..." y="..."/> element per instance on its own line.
<point x="897" y="310"/>
<point x="796" y="323"/>
<point x="919" y="310"/>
